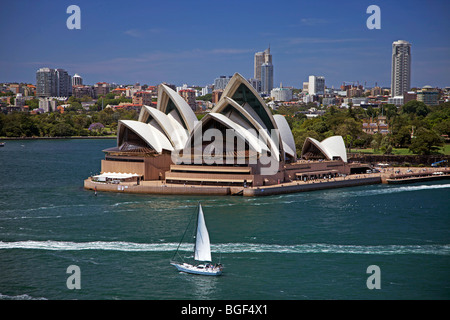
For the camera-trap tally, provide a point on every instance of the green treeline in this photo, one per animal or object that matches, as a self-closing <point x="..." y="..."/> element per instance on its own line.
<point x="69" y="123"/>
<point x="415" y="126"/>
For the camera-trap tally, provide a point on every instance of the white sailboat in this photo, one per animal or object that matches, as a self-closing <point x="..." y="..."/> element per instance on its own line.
<point x="202" y="252"/>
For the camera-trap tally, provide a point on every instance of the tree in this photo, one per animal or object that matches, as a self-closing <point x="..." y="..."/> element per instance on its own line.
<point x="415" y="107"/>
<point x="425" y="142"/>
<point x="386" y="146"/>
<point x="376" y="141"/>
<point x="62" y="129"/>
<point x="350" y="130"/>
<point x="402" y="138"/>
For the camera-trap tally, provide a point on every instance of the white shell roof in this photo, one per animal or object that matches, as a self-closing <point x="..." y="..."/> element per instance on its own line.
<point x="286" y="135"/>
<point x="256" y="125"/>
<point x="152" y="136"/>
<point x="330" y="147"/>
<point x="335" y="145"/>
<point x="173" y="130"/>
<point x="234" y="84"/>
<point x="254" y="143"/>
<point x="182" y="106"/>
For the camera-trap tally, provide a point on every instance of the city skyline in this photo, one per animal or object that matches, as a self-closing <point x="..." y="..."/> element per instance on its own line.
<point x="179" y="43"/>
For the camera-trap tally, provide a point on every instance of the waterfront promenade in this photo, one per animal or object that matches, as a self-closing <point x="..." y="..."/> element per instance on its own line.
<point x="160" y="187"/>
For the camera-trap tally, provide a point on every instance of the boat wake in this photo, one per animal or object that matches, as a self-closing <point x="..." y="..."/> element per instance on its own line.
<point x="19" y="297"/>
<point x="387" y="190"/>
<point x="226" y="248"/>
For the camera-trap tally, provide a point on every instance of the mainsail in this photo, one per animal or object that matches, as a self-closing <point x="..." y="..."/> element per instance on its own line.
<point x="202" y="245"/>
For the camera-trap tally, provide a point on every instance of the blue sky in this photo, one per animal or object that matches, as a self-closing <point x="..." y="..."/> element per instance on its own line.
<point x="194" y="41"/>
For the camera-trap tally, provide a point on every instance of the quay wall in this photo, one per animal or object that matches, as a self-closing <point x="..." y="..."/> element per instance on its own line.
<point x="157" y="188"/>
<point x="302" y="187"/>
<point x="168" y="189"/>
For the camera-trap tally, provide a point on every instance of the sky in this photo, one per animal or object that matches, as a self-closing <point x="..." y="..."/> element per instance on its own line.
<point x="194" y="42"/>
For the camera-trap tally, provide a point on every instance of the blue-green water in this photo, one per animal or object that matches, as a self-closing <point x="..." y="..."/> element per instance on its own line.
<point x="314" y="245"/>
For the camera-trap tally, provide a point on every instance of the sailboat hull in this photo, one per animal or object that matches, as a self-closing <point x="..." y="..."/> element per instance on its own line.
<point x="200" y="269"/>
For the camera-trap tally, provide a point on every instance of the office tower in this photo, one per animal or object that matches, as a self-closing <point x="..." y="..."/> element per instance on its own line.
<point x="221" y="82"/>
<point x="77" y="80"/>
<point x="261" y="58"/>
<point x="63" y="83"/>
<point x="53" y="83"/>
<point x="266" y="78"/>
<point x="401" y="67"/>
<point x="316" y="85"/>
<point x="45" y="82"/>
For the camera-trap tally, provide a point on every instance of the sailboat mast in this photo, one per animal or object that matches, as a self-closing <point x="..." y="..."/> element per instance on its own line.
<point x="196" y="228"/>
<point x="179" y="244"/>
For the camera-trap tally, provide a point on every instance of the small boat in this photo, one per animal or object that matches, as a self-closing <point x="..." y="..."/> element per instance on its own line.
<point x="202" y="251"/>
<point x="2" y="144"/>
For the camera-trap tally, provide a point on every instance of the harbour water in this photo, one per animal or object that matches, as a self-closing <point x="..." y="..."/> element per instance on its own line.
<point x="314" y="245"/>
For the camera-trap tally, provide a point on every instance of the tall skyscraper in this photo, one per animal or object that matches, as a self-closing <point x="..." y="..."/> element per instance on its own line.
<point x="53" y="83"/>
<point x="63" y="83"/>
<point x="316" y="85"/>
<point x="267" y="78"/>
<point x="264" y="58"/>
<point x="259" y="60"/>
<point x="401" y="67"/>
<point x="45" y="82"/>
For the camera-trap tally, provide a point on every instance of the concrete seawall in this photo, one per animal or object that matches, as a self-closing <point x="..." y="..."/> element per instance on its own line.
<point x="157" y="187"/>
<point x="303" y="187"/>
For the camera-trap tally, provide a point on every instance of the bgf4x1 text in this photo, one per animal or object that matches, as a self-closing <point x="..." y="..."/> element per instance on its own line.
<point x="246" y="309"/>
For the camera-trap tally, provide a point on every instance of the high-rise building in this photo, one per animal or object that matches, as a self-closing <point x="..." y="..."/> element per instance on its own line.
<point x="77" y="80"/>
<point x="262" y="58"/>
<point x="267" y="78"/>
<point x="53" y="83"/>
<point x="401" y="68"/>
<point x="316" y="85"/>
<point x="45" y="82"/>
<point x="63" y="83"/>
<point x="221" y="82"/>
<point x="259" y="60"/>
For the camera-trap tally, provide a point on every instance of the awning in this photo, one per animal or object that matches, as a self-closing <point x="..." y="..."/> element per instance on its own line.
<point x="114" y="175"/>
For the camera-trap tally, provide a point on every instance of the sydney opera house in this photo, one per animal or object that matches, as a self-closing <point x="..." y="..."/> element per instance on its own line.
<point x="239" y="144"/>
